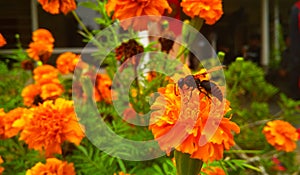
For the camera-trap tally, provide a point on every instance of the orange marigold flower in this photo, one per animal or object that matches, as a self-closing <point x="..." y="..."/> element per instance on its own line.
<point x="213" y="170"/>
<point x="31" y="94"/>
<point x="67" y="62"/>
<point x="168" y="108"/>
<point x="1" y="168"/>
<point x="151" y="75"/>
<point x="281" y="134"/>
<point x="121" y="173"/>
<point x="2" y="40"/>
<point x="52" y="123"/>
<point x="42" y="46"/>
<point x="57" y="6"/>
<point x="298" y="130"/>
<point x="43" y="35"/>
<point x="9" y="119"/>
<point x="129" y="113"/>
<point x="51" y="91"/>
<point x="103" y="88"/>
<point x="52" y="166"/>
<point x="45" y="74"/>
<point x="2" y="129"/>
<point x="40" y="50"/>
<point x="124" y="9"/>
<point x="210" y="10"/>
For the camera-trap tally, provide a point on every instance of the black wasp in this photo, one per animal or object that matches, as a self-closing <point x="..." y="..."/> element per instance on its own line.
<point x="194" y="81"/>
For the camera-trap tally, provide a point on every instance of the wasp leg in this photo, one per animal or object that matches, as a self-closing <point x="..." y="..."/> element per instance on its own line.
<point x="175" y="90"/>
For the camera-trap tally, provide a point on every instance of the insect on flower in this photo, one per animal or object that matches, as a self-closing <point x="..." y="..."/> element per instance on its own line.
<point x="205" y="86"/>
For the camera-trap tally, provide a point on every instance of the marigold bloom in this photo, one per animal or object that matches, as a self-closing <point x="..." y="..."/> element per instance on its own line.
<point x="67" y="62"/>
<point x="57" y="6"/>
<point x="168" y="109"/>
<point x="43" y="35"/>
<point x="52" y="123"/>
<point x="103" y="90"/>
<point x="212" y="170"/>
<point x="1" y="168"/>
<point x="30" y="94"/>
<point x="298" y="130"/>
<point x="121" y="173"/>
<point x="45" y="74"/>
<point x="210" y="10"/>
<point x="151" y="75"/>
<point x="40" y="51"/>
<point x="51" y="91"/>
<point x="124" y="9"/>
<point x="52" y="166"/>
<point x="129" y="113"/>
<point x="42" y="46"/>
<point x="2" y="40"/>
<point x="2" y="127"/>
<point x="281" y="134"/>
<point x="9" y="119"/>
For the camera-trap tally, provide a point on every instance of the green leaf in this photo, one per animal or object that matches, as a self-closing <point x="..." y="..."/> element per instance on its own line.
<point x="121" y="164"/>
<point x="83" y="150"/>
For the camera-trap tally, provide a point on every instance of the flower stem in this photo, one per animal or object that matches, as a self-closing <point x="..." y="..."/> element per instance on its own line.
<point x="186" y="165"/>
<point x="81" y="24"/>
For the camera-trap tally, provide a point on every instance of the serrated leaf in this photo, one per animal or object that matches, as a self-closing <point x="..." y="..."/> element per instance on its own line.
<point x="121" y="164"/>
<point x="231" y="165"/>
<point x="83" y="150"/>
<point x="252" y="167"/>
<point x="157" y="168"/>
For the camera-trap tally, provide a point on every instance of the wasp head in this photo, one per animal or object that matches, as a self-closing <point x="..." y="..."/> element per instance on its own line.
<point x="180" y="83"/>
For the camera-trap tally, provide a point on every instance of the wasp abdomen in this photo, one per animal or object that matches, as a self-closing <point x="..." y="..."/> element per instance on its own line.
<point x="212" y="88"/>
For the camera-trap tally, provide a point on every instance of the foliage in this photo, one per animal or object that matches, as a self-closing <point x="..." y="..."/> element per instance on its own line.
<point x="250" y="96"/>
<point x="252" y="100"/>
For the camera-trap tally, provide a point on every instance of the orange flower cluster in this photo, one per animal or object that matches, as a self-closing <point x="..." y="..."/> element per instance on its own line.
<point x="2" y="125"/>
<point x="151" y="75"/>
<point x="125" y="9"/>
<point x="213" y="170"/>
<point x="281" y="134"/>
<point x="52" y="166"/>
<point x="2" y="41"/>
<point x="121" y="173"/>
<point x="10" y="122"/>
<point x="209" y="10"/>
<point x="102" y="88"/>
<point x="129" y="113"/>
<point x="50" y="125"/>
<point x="169" y="111"/>
<point x="41" y="46"/>
<point x="67" y="62"/>
<point x="47" y="86"/>
<point x="58" y="6"/>
<point x="1" y="168"/>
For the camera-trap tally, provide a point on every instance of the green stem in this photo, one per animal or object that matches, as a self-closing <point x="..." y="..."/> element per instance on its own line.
<point x="186" y="165"/>
<point x="81" y="24"/>
<point x="114" y="35"/>
<point x="137" y="82"/>
<point x="182" y="50"/>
